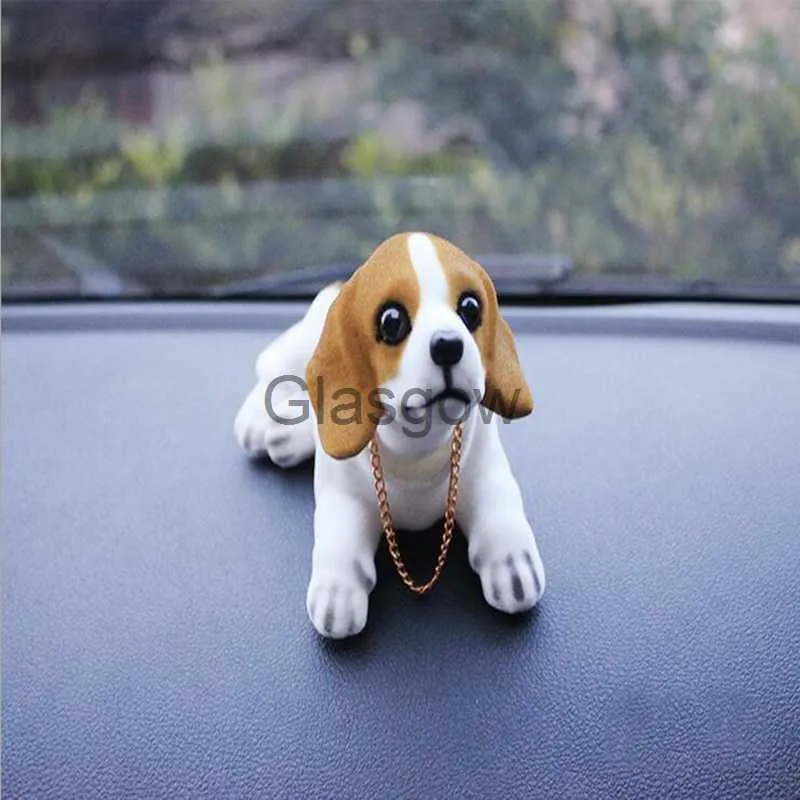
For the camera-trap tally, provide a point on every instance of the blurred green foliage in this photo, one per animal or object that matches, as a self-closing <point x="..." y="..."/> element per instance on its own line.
<point x="692" y="167"/>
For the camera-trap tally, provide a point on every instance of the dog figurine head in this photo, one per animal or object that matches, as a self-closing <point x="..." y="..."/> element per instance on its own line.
<point x="416" y="328"/>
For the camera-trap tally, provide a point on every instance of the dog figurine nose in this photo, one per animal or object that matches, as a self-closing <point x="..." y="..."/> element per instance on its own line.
<point x="447" y="348"/>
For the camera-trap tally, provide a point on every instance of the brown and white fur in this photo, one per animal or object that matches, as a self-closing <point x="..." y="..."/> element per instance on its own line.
<point x="336" y="350"/>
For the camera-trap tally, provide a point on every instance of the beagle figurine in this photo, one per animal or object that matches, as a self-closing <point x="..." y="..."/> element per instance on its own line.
<point x="412" y="343"/>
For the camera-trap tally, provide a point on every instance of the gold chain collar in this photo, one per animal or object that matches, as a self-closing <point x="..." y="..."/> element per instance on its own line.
<point x="449" y="514"/>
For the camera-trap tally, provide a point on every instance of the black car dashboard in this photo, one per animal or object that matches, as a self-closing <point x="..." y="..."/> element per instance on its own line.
<point x="155" y="640"/>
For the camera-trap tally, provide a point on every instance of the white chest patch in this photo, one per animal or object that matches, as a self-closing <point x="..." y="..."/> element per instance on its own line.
<point x="433" y="286"/>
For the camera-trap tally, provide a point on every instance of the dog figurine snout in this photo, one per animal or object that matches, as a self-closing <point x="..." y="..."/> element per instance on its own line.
<point x="447" y="348"/>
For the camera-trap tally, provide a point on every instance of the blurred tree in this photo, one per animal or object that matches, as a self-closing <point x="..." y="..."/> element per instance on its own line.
<point x="630" y="135"/>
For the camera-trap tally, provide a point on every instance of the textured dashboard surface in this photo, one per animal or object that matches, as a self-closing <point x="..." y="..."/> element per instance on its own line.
<point x="155" y="642"/>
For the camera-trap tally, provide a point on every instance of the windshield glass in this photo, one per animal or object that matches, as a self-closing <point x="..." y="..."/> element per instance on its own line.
<point x="174" y="147"/>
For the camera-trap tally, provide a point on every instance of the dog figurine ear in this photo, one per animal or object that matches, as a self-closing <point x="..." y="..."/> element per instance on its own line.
<point x="507" y="392"/>
<point x="341" y="382"/>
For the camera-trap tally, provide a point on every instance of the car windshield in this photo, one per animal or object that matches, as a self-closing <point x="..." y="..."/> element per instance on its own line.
<point x="187" y="147"/>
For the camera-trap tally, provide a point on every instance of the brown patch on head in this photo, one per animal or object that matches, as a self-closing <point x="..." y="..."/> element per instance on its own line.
<point x="507" y="391"/>
<point x="350" y="363"/>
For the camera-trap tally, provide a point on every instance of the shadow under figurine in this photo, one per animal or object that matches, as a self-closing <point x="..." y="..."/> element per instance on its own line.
<point x="381" y="382"/>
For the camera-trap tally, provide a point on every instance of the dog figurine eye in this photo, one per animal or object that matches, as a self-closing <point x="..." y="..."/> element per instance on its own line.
<point x="469" y="309"/>
<point x="394" y="323"/>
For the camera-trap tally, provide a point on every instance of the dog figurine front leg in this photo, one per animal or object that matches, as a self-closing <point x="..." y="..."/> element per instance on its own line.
<point x="346" y="535"/>
<point x="502" y="548"/>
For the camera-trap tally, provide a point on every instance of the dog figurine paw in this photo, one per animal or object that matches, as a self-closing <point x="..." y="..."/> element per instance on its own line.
<point x="410" y="345"/>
